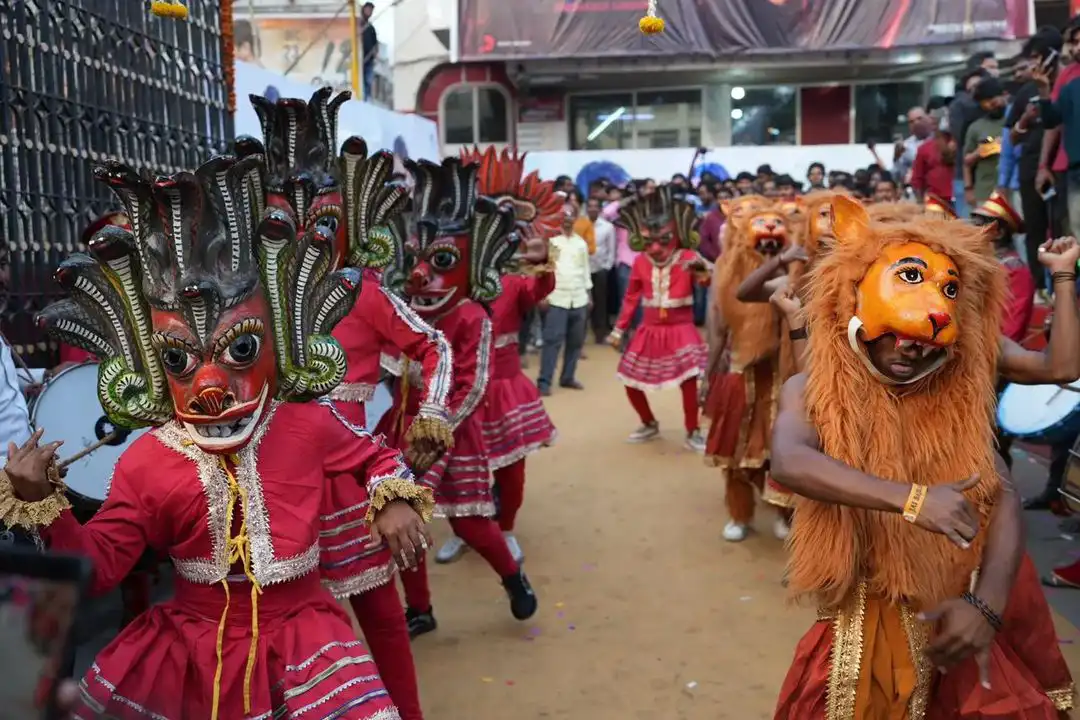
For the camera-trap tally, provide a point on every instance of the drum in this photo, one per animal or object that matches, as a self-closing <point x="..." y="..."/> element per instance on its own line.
<point x="1040" y="414"/>
<point x="1070" y="484"/>
<point x="68" y="409"/>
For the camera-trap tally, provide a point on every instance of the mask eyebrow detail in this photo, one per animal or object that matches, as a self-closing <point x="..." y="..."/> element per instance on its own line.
<point x="162" y="340"/>
<point x="910" y="261"/>
<point x="247" y="326"/>
<point x="953" y="273"/>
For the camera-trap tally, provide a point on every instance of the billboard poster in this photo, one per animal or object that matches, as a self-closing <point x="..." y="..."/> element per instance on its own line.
<point x="524" y="29"/>
<point x="310" y="49"/>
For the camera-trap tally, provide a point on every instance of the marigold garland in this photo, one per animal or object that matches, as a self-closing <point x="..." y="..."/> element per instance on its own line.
<point x="650" y="24"/>
<point x="174" y="9"/>
<point x="228" y="54"/>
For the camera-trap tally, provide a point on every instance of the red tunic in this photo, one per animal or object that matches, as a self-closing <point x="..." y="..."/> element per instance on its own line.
<point x="667" y="349"/>
<point x="71" y="354"/>
<point x="1021" y="303"/>
<point x="515" y="422"/>
<point x="378" y="320"/>
<point x="461" y="478"/>
<point x="167" y="494"/>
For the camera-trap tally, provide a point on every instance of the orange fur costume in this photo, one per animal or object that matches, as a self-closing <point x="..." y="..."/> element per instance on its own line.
<point x="742" y="401"/>
<point x="871" y="572"/>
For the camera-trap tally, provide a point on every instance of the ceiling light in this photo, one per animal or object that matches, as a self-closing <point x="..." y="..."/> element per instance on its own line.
<point x="604" y="125"/>
<point x="736" y="114"/>
<point x="738" y="93"/>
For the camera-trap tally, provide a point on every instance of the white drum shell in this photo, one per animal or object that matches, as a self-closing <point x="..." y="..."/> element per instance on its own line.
<point x="1039" y="411"/>
<point x="68" y="409"/>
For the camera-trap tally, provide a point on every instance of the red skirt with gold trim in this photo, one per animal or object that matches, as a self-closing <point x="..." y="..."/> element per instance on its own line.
<point x="1029" y="679"/>
<point x="742" y="407"/>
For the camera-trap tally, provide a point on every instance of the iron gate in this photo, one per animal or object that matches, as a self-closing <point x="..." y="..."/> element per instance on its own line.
<point x="84" y="81"/>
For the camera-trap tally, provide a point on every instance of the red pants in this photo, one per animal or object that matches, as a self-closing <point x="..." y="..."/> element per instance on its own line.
<point x="382" y="620"/>
<point x="689" y="405"/>
<point x="740" y="497"/>
<point x="511" y="483"/>
<point x="479" y="533"/>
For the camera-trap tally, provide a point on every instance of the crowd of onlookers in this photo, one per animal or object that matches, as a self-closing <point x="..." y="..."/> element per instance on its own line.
<point x="1016" y="138"/>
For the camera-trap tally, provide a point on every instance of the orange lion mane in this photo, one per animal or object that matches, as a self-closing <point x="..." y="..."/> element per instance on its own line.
<point x="808" y="234"/>
<point x="755" y="326"/>
<point x="935" y="431"/>
<point x="896" y="212"/>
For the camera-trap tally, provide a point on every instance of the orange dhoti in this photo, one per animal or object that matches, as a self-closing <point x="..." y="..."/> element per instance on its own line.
<point x="742" y="407"/>
<point x="868" y="663"/>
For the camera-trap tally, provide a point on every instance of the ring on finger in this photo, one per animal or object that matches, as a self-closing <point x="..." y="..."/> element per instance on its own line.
<point x="423" y="543"/>
<point x="404" y="559"/>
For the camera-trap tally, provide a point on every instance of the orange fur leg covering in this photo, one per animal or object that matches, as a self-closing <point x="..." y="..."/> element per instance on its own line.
<point x="739" y="494"/>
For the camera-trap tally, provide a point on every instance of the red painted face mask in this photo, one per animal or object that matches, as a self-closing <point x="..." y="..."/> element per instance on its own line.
<point x="437" y="276"/>
<point x="660" y="243"/>
<point x="221" y="386"/>
<point x="322" y="210"/>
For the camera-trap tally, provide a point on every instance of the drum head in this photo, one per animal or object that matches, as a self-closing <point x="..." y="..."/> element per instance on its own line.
<point x="1031" y="411"/>
<point x="68" y="409"/>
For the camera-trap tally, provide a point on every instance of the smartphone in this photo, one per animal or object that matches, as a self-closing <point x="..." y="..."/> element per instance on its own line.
<point x="39" y="596"/>
<point x="1049" y="194"/>
<point x="1048" y="63"/>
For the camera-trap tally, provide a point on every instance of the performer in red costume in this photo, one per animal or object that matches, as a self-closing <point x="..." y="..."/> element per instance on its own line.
<point x="449" y="254"/>
<point x="213" y="326"/>
<point x="1001" y="223"/>
<point x="307" y="179"/>
<point x="667" y="351"/>
<point x="515" y="423"/>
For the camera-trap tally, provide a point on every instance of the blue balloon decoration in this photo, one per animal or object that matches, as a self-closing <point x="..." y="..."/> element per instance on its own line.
<point x="715" y="169"/>
<point x="591" y="172"/>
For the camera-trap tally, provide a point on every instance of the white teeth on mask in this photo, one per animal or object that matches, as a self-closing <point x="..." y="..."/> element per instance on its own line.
<point x="223" y="431"/>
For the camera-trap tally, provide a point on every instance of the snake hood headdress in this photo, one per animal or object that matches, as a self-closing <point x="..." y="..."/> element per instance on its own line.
<point x="454" y="244"/>
<point x="209" y="306"/>
<point x="353" y="195"/>
<point x="538" y="209"/>
<point x="666" y="213"/>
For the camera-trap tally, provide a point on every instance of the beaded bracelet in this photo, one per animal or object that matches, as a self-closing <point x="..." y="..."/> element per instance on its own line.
<point x="991" y="617"/>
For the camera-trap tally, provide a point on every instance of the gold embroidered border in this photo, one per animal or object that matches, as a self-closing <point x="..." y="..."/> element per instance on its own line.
<point x="1062" y="697"/>
<point x="749" y="388"/>
<point x="918" y="637"/>
<point x="846" y="658"/>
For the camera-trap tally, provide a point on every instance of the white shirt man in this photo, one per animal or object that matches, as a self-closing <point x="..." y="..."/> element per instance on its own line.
<point x="568" y="308"/>
<point x="14" y="416"/>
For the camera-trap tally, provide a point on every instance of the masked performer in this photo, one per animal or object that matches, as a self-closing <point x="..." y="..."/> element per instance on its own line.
<point x="207" y="321"/>
<point x="910" y="578"/>
<point x="307" y="180"/>
<point x="667" y="351"/>
<point x="515" y="422"/>
<point x="449" y="253"/>
<point x="742" y="400"/>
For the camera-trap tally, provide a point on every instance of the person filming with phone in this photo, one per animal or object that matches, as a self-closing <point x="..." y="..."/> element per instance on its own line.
<point x="1060" y="111"/>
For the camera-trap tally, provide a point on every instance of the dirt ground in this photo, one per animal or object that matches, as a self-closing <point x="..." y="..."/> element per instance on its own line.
<point x="645" y="612"/>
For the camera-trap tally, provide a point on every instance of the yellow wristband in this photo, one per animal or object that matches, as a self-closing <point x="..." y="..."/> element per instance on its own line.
<point x="914" y="502"/>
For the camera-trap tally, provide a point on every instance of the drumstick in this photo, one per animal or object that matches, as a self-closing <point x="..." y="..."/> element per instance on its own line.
<point x="89" y="449"/>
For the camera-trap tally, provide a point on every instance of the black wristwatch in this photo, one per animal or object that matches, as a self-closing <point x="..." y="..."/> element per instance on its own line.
<point x="798" y="333"/>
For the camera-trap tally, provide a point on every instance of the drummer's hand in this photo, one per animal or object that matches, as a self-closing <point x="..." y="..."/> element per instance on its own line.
<point x="948" y="512"/>
<point x="32" y="390"/>
<point x="27" y="468"/>
<point x="403" y="530"/>
<point x="1060" y="255"/>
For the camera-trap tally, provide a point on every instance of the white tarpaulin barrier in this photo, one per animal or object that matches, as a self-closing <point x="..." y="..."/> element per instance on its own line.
<point x="410" y="136"/>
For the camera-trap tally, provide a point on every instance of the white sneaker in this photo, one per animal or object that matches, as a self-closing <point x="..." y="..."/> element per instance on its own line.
<point x="644" y="433"/>
<point x="780" y="528"/>
<point x="451" y="550"/>
<point x="514" y="548"/>
<point x="695" y="443"/>
<point x="735" y="532"/>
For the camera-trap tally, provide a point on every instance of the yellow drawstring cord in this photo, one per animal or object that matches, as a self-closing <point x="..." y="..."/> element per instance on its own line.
<point x="238" y="550"/>
<point x="404" y="396"/>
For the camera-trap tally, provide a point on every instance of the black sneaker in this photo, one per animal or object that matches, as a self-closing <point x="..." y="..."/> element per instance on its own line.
<point x="522" y="598"/>
<point x="420" y="622"/>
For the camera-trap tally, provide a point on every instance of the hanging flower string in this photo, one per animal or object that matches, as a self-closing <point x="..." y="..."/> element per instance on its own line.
<point x="169" y="9"/>
<point x="650" y="24"/>
<point x="228" y="53"/>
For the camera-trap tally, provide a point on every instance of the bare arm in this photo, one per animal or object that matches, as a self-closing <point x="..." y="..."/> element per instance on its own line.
<point x="799" y="465"/>
<point x="1059" y="364"/>
<point x="763" y="282"/>
<point x="715" y="330"/>
<point x="1004" y="545"/>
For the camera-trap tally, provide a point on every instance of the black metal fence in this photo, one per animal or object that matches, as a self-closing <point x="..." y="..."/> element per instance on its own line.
<point x="83" y="81"/>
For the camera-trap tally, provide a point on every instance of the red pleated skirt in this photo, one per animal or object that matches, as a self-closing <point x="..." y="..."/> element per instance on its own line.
<point x="661" y="356"/>
<point x="162" y="665"/>
<point x="514" y="421"/>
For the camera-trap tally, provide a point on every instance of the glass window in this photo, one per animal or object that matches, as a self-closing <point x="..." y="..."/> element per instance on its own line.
<point x="492" y="114"/>
<point x="881" y="110"/>
<point x="475" y="115"/>
<point x="600" y="122"/>
<point x="763" y="116"/>
<point x="458" y="116"/>
<point x="667" y="118"/>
